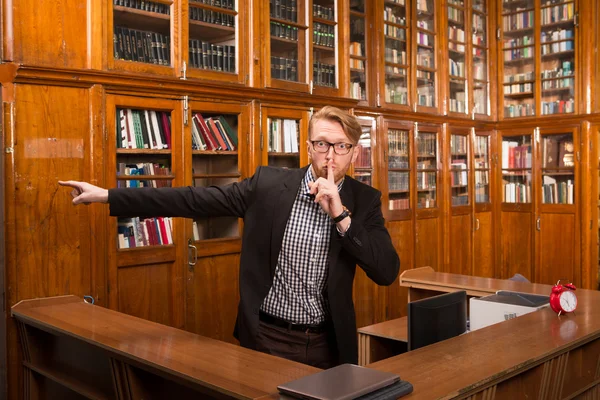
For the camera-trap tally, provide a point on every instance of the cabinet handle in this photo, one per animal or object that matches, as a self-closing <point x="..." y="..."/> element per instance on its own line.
<point x="476" y="224"/>
<point x="538" y="224"/>
<point x="192" y="261"/>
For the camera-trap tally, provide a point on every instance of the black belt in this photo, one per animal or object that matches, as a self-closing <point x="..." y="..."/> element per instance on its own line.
<point x="282" y="323"/>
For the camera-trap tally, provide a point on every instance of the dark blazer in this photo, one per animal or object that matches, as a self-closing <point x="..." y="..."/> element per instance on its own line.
<point x="265" y="201"/>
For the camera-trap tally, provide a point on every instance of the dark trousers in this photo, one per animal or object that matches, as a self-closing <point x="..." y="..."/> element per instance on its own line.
<point x="316" y="349"/>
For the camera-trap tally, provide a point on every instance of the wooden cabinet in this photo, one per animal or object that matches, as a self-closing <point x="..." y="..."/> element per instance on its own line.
<point x="361" y="44"/>
<point x="283" y="136"/>
<point x="538" y="49"/>
<point x="540" y="232"/>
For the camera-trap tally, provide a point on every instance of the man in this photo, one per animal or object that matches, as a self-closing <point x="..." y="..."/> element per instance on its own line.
<point x="304" y="232"/>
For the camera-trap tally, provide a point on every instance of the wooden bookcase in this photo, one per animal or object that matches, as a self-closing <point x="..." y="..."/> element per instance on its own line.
<point x="73" y="79"/>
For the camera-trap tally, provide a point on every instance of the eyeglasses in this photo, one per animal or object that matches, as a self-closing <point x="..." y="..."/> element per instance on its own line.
<point x="321" y="146"/>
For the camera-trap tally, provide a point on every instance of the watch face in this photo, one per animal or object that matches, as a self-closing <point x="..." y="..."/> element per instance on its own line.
<point x="568" y="301"/>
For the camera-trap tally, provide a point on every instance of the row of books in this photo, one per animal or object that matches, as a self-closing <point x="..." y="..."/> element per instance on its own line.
<point x="324" y="74"/>
<point x="323" y="35"/>
<point x="395" y="32"/>
<point x="518" y="42"/>
<point x="459" y="175"/>
<point x="396" y="93"/>
<point x="396" y="56"/>
<point x="456" y="16"/>
<point x="125" y="169"/>
<point x="284" y="9"/>
<point x="399" y="204"/>
<point x="141" y="232"/>
<point x="457" y="68"/>
<point x="284" y="31"/>
<point x="363" y="160"/>
<point x="284" y="68"/>
<point x="144" y="5"/>
<point x="213" y="133"/>
<point x="482" y="178"/>
<point x="283" y="135"/>
<point x="394" y="15"/>
<point x="556" y="35"/>
<point x="519" y="54"/>
<point x="323" y="12"/>
<point x="557" y="47"/>
<point x="227" y="4"/>
<point x="425" y="200"/>
<point x="558" y="106"/>
<point x="210" y="56"/>
<point x="554" y="192"/>
<point x="519" y="110"/>
<point x="514" y="192"/>
<point x="460" y="199"/>
<point x="457" y="103"/>
<point x="143" y="129"/>
<point x="558" y="84"/>
<point x="357" y="64"/>
<point x="517" y="21"/>
<point x="211" y="17"/>
<point x="400" y="162"/>
<point x="555" y="14"/>
<point x="518" y="88"/>
<point x="557" y="72"/>
<point x="515" y="155"/>
<point x="458" y="145"/>
<point x="398" y="143"/>
<point x="358" y="90"/>
<point x="398" y="181"/>
<point x="141" y="46"/>
<point x="456" y="33"/>
<point x="426" y="180"/>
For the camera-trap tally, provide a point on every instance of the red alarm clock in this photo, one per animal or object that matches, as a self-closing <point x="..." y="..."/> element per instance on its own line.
<point x="562" y="298"/>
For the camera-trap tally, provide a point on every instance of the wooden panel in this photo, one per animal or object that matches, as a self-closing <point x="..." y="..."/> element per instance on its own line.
<point x="557" y="248"/>
<point x="427" y="243"/>
<point x="483" y="246"/>
<point x="524" y="386"/>
<point x="402" y="238"/>
<point x="516" y="244"/>
<point x="55" y="36"/>
<point x="145" y="292"/>
<point x="366" y="295"/>
<point x="213" y="297"/>
<point x="47" y="149"/>
<point x="582" y="368"/>
<point x="461" y="243"/>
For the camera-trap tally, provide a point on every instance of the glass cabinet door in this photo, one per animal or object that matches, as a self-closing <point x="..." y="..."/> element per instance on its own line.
<point x="518" y="51"/>
<point x="396" y="52"/>
<point x="426" y="39"/>
<point x="398" y="168"/>
<point x="457" y="45"/>
<point x="324" y="44"/>
<point x="359" y="48"/>
<point x="363" y="166"/>
<point x="516" y="169"/>
<point x="427" y="169"/>
<point x="214" y="30"/>
<point x="283" y="137"/>
<point x="558" y="57"/>
<point x="141" y="36"/>
<point x="459" y="169"/>
<point x="480" y="68"/>
<point x="287" y="46"/>
<point x="215" y="160"/>
<point x="481" y="156"/>
<point x="558" y="168"/>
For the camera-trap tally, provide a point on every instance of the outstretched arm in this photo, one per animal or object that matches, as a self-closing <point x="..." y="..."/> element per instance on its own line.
<point x="86" y="193"/>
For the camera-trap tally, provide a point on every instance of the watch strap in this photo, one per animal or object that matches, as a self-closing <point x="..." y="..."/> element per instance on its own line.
<point x="345" y="213"/>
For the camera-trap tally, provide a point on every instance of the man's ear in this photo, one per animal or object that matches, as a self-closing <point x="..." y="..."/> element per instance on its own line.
<point x="357" y="150"/>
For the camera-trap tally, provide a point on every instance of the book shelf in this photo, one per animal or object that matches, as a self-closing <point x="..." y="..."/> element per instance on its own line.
<point x="360" y="47"/>
<point x="482" y="168"/>
<point x="538" y="53"/>
<point x="325" y="49"/>
<point x="396" y="55"/>
<point x="216" y="133"/>
<point x="283" y="137"/>
<point x="516" y="169"/>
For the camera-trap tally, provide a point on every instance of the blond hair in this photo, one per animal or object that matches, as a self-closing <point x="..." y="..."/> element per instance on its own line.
<point x="349" y="123"/>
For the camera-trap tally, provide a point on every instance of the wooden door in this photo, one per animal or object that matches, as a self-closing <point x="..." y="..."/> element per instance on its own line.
<point x="484" y="198"/>
<point x="557" y="233"/>
<point x="214" y="244"/>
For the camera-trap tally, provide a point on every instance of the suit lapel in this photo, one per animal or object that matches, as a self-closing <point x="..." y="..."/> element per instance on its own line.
<point x="282" y="207"/>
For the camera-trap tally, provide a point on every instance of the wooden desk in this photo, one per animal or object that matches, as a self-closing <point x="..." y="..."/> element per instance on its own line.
<point x="75" y="350"/>
<point x="379" y="341"/>
<point x="535" y="356"/>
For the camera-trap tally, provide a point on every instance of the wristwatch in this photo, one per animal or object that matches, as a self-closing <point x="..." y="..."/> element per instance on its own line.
<point x="343" y="215"/>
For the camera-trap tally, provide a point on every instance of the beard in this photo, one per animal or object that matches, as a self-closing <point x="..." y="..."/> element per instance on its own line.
<point x="321" y="171"/>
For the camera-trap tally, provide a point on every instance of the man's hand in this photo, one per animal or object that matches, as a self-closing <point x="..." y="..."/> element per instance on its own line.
<point x="326" y="193"/>
<point x="86" y="193"/>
